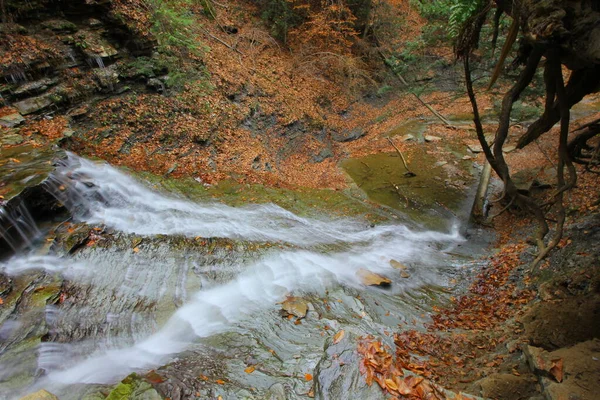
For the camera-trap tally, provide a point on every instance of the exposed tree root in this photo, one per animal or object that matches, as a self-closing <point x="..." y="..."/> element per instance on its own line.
<point x="558" y="102"/>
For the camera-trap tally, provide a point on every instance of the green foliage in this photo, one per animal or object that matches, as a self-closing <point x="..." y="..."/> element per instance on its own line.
<point x="281" y="16"/>
<point x="447" y="16"/>
<point x="460" y="12"/>
<point x="384" y="90"/>
<point x="172" y="24"/>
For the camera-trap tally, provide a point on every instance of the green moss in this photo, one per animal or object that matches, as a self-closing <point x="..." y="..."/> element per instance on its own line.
<point x="302" y="201"/>
<point x="425" y="197"/>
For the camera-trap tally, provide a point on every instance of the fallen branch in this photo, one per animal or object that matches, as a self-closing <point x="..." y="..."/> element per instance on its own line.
<point x="408" y="173"/>
<point x="221" y="41"/>
<point x="403" y="81"/>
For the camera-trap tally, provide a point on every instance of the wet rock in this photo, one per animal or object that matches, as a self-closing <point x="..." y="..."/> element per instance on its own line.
<point x="133" y="387"/>
<point x="431" y="138"/>
<point x="509" y="148"/>
<point x="408" y="137"/>
<point x="398" y="265"/>
<point x="25" y="196"/>
<point x="369" y="278"/>
<point x="107" y="77"/>
<point x="40" y="395"/>
<point x="94" y="46"/>
<point x="33" y="104"/>
<point x="276" y="392"/>
<point x="348" y="135"/>
<point x="404" y="275"/>
<point x="337" y="375"/>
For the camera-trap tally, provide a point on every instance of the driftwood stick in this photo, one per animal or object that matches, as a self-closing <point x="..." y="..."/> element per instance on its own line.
<point x="221" y="41"/>
<point x="408" y="171"/>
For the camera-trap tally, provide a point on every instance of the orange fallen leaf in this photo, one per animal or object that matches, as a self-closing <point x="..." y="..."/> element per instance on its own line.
<point x="250" y="369"/>
<point x="154" y="377"/>
<point x="557" y="369"/>
<point x="220" y="381"/>
<point x="391" y="385"/>
<point x="308" y="377"/>
<point x="338" y="337"/>
<point x="136" y="249"/>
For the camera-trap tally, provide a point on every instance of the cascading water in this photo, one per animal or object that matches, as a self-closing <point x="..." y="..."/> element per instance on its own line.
<point x="117" y="327"/>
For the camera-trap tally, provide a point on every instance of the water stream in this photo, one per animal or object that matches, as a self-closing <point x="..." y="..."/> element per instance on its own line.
<point x="136" y="307"/>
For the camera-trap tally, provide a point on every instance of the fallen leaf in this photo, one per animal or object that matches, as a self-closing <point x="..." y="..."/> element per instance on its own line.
<point x="220" y="381"/>
<point x="338" y="336"/>
<point x="390" y="384"/>
<point x="369" y="278"/>
<point x="557" y="369"/>
<point x="398" y="265"/>
<point x="250" y="369"/>
<point x="154" y="377"/>
<point x="136" y="249"/>
<point x="308" y="377"/>
<point x="295" y="306"/>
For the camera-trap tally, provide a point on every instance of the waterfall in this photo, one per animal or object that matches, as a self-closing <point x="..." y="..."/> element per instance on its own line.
<point x="17" y="227"/>
<point x="316" y="254"/>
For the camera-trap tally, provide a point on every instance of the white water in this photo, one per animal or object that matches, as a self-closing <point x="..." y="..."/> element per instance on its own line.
<point x="100" y="194"/>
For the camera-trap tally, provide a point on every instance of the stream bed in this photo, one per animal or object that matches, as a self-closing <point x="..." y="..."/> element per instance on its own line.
<point x="137" y="293"/>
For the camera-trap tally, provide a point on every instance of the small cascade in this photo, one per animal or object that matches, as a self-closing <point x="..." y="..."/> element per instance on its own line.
<point x="16" y="77"/>
<point x="17" y="227"/>
<point x="96" y="62"/>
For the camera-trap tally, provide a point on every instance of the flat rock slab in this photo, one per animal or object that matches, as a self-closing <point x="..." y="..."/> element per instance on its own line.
<point x="431" y="138"/>
<point x="579" y="370"/>
<point x="33" y="104"/>
<point x="475" y="148"/>
<point x="11" y="120"/>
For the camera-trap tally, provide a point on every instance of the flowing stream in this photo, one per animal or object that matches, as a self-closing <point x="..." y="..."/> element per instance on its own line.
<point x="149" y="299"/>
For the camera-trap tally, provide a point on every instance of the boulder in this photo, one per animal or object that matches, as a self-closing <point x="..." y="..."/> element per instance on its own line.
<point x="348" y="135"/>
<point x="40" y="395"/>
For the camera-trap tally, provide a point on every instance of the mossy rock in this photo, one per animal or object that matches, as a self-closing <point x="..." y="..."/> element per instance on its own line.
<point x="133" y="388"/>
